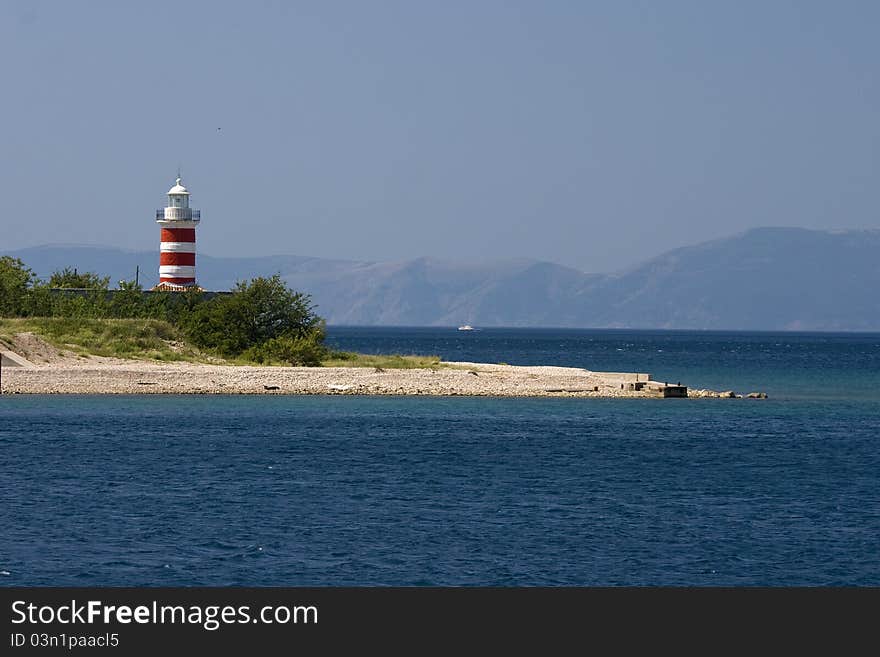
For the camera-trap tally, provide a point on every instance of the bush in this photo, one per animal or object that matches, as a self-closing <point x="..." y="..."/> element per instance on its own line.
<point x="15" y="279"/>
<point x="93" y="304"/>
<point x="302" y="351"/>
<point x="38" y="303"/>
<point x="70" y="278"/>
<point x="256" y="312"/>
<point x="127" y="302"/>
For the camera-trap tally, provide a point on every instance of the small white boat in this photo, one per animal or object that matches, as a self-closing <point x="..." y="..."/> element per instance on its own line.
<point x="466" y="327"/>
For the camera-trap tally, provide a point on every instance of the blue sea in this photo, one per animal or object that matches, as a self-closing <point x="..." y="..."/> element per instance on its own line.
<point x="347" y="490"/>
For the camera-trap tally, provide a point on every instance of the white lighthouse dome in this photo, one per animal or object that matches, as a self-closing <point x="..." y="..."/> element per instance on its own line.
<point x="178" y="189"/>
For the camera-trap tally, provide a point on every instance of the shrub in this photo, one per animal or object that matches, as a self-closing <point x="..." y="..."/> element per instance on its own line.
<point x="256" y="312"/>
<point x="299" y="351"/>
<point x="70" y="278"/>
<point x="15" y="279"/>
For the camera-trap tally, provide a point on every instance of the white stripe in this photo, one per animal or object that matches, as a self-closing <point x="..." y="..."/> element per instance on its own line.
<point x="177" y="223"/>
<point x="177" y="271"/>
<point x="177" y="247"/>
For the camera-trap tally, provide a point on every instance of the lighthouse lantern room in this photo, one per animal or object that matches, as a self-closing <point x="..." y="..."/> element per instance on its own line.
<point x="177" y="250"/>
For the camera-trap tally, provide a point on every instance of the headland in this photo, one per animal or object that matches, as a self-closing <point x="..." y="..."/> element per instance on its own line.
<point x="50" y="371"/>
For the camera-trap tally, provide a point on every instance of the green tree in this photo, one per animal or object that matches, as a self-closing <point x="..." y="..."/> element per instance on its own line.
<point x="70" y="278"/>
<point x="254" y="313"/>
<point x="15" y="279"/>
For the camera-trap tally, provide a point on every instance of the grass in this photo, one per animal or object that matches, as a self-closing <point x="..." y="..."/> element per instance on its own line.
<point x="391" y="362"/>
<point x="155" y="340"/>
<point x="141" y="339"/>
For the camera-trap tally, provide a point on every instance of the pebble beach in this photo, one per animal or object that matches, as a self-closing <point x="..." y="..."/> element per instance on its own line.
<point x="38" y="368"/>
<point x="472" y="379"/>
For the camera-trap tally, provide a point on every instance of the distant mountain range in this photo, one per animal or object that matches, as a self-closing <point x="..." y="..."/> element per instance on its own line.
<point x="763" y="279"/>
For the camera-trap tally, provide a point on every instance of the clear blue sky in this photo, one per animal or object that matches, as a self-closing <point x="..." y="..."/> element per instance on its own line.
<point x="593" y="134"/>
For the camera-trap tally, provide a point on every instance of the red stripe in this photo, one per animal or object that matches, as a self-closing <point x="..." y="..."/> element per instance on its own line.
<point x="175" y="258"/>
<point x="177" y="281"/>
<point x="178" y="235"/>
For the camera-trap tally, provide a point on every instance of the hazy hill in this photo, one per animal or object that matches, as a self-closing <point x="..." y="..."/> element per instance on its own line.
<point x="767" y="278"/>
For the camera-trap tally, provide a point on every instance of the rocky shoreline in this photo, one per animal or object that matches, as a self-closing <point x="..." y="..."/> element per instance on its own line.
<point x="116" y="376"/>
<point x="35" y="367"/>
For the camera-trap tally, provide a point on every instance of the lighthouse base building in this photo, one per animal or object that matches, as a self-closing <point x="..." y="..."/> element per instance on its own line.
<point x="177" y="248"/>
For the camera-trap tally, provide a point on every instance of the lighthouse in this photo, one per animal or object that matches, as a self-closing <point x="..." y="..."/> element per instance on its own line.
<point x="177" y="250"/>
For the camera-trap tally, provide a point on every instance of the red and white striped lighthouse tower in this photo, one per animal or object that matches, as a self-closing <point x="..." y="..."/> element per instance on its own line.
<point x="177" y="257"/>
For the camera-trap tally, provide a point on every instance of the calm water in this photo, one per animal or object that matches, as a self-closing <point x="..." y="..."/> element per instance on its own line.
<point x="786" y="365"/>
<point x="172" y="490"/>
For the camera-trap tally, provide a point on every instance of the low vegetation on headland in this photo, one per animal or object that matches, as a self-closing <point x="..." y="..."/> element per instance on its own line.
<point x="262" y="321"/>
